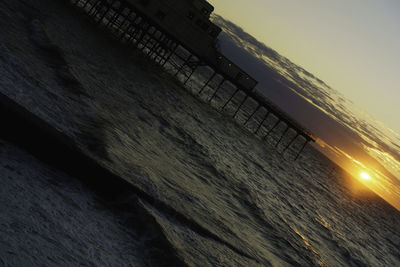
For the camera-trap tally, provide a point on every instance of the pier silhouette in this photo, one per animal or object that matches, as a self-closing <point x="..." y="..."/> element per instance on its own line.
<point x="179" y="36"/>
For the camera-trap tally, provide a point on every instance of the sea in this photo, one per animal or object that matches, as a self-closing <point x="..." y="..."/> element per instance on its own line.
<point x="206" y="190"/>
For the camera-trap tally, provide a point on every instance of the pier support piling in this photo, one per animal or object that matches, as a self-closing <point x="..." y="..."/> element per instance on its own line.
<point x="183" y="65"/>
<point x="290" y="143"/>
<point x="252" y="114"/>
<point x="240" y="105"/>
<point x="229" y="100"/>
<point x="301" y="150"/>
<point x="170" y="53"/>
<point x="192" y="70"/>
<point x="261" y="123"/>
<point x="207" y="83"/>
<point x="273" y="127"/>
<point x="217" y="89"/>
<point x="108" y="7"/>
<point x="283" y="134"/>
<point x="93" y="9"/>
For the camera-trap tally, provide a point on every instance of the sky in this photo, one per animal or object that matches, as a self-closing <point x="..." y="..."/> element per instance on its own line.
<point x="353" y="47"/>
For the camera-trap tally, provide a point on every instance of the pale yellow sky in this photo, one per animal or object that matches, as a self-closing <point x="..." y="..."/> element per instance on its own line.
<point x="353" y="46"/>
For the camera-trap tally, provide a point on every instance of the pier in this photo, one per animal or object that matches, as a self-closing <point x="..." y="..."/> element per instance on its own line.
<point x="179" y="36"/>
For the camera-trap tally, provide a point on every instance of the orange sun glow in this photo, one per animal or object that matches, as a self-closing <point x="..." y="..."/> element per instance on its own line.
<point x="365" y="176"/>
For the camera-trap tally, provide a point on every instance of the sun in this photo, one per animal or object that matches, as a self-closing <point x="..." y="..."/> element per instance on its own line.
<point x="365" y="176"/>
